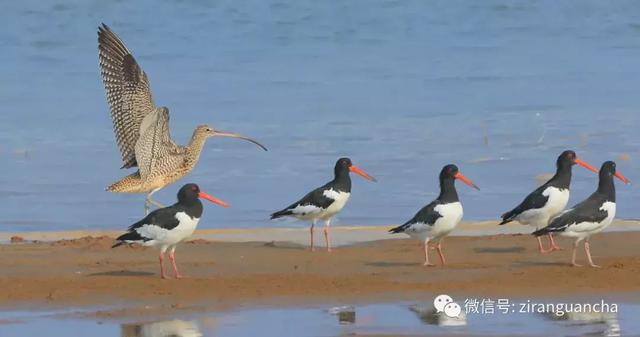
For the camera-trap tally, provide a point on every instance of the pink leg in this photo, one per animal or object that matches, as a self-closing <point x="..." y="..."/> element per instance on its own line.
<point x="587" y="249"/>
<point x="573" y="255"/>
<point x="426" y="254"/>
<point x="311" y="236"/>
<point x="553" y="247"/>
<point x="439" y="248"/>
<point x="326" y="235"/>
<point x="162" y="274"/>
<point x="172" y="258"/>
<point x="540" y="249"/>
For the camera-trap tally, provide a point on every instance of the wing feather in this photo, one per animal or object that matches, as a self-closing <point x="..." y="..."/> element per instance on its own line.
<point x="128" y="92"/>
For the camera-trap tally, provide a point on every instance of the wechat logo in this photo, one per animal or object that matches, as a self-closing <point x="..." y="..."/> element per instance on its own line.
<point x="444" y="303"/>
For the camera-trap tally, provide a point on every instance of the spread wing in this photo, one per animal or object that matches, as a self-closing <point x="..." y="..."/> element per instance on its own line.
<point x="128" y="92"/>
<point x="154" y="150"/>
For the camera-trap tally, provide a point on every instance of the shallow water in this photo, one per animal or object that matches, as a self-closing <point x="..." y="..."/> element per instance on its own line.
<point x="391" y="319"/>
<point x="402" y="87"/>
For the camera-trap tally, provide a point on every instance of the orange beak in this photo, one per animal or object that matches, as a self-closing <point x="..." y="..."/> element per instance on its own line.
<point x="361" y="173"/>
<point x="212" y="199"/>
<point x="623" y="178"/>
<point x="585" y="165"/>
<point x="466" y="181"/>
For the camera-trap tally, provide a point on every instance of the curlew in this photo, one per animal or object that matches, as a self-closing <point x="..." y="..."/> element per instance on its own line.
<point x="142" y="128"/>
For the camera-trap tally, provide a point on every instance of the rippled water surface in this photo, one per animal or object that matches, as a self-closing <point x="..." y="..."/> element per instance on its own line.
<point x="401" y="87"/>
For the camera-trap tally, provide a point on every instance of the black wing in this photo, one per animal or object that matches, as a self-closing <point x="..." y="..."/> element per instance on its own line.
<point x="586" y="211"/>
<point x="314" y="198"/>
<point x="427" y="215"/>
<point x="534" y="200"/>
<point x="163" y="218"/>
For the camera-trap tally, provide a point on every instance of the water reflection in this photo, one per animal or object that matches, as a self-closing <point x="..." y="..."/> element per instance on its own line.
<point x="429" y="315"/>
<point x="173" y="328"/>
<point x="346" y="315"/>
<point x="388" y="319"/>
<point x="604" y="323"/>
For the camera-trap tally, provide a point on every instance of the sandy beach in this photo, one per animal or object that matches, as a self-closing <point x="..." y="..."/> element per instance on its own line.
<point x="87" y="272"/>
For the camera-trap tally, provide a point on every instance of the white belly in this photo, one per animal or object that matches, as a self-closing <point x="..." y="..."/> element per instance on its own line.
<point x="586" y="229"/>
<point x="311" y="212"/>
<point x="340" y="200"/>
<point x="451" y="215"/>
<point x="169" y="237"/>
<point x="539" y="217"/>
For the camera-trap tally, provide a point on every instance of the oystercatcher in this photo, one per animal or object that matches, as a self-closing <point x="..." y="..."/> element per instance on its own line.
<point x="166" y="227"/>
<point x="326" y="201"/>
<point x="590" y="216"/>
<point x="440" y="217"/>
<point x="548" y="200"/>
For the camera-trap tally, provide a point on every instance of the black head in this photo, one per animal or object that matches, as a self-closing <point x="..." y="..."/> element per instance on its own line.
<point x="188" y="193"/>
<point x="451" y="172"/>
<point x="608" y="171"/>
<point x="569" y="158"/>
<point x="344" y="166"/>
<point x="566" y="159"/>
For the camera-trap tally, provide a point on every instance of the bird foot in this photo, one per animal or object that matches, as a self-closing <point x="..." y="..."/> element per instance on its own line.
<point x="180" y="276"/>
<point x="427" y="264"/>
<point x="545" y="251"/>
<point x="595" y="266"/>
<point x="555" y="248"/>
<point x="576" y="265"/>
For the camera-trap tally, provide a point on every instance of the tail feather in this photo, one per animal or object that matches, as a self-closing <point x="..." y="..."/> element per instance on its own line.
<point x="508" y="217"/>
<point x="118" y="244"/>
<point x="541" y="231"/>
<point x="548" y="230"/>
<point x="280" y="214"/>
<point x="399" y="229"/>
<point x="128" y="237"/>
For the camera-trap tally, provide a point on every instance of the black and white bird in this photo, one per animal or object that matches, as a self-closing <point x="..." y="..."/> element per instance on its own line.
<point x="166" y="227"/>
<point x="590" y="216"/>
<point x="548" y="200"/>
<point x="326" y="201"/>
<point x="440" y="217"/>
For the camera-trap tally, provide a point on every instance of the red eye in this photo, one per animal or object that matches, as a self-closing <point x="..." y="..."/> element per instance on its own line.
<point x="194" y="188"/>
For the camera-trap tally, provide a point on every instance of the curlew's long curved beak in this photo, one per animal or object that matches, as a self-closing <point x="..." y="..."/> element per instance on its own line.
<point x="623" y="178"/>
<point x="464" y="179"/>
<point x="212" y="199"/>
<point x="585" y="165"/>
<point x="361" y="173"/>
<point x="219" y="133"/>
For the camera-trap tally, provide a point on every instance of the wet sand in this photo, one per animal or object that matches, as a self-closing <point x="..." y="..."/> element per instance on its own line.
<point x="87" y="272"/>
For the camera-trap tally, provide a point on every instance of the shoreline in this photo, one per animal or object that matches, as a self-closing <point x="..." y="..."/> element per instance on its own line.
<point x="86" y="272"/>
<point x="341" y="235"/>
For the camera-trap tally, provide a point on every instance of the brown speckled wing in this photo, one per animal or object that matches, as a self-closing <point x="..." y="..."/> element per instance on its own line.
<point x="128" y="92"/>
